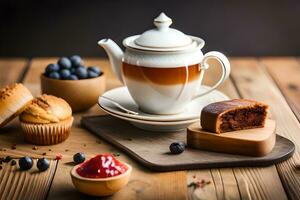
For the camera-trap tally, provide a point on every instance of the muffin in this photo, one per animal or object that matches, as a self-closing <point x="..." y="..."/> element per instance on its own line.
<point x="46" y="120"/>
<point x="13" y="100"/>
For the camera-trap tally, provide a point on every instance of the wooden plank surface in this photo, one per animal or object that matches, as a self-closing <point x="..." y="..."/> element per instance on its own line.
<point x="11" y="70"/>
<point x="237" y="183"/>
<point x="209" y="191"/>
<point x="252" y="80"/>
<point x="286" y="74"/>
<point x="31" y="184"/>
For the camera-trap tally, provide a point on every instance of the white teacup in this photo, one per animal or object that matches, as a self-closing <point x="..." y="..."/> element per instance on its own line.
<point x="167" y="90"/>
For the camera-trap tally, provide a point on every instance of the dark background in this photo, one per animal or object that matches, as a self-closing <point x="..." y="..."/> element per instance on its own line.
<point x="238" y="28"/>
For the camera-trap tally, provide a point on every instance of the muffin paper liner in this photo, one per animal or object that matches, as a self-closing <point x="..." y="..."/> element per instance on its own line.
<point x="47" y="134"/>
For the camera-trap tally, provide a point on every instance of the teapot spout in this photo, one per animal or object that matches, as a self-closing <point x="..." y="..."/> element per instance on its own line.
<point x="115" y="55"/>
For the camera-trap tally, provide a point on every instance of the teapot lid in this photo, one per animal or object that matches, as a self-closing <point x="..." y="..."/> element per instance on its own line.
<point x="163" y="38"/>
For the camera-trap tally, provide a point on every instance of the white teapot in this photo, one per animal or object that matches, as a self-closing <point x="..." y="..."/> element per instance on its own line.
<point x="163" y="68"/>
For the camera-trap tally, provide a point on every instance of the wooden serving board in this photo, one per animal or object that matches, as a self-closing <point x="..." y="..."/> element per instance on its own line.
<point x="151" y="149"/>
<point x="250" y="142"/>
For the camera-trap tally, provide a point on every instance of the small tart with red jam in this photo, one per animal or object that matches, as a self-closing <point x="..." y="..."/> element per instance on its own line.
<point x="101" y="175"/>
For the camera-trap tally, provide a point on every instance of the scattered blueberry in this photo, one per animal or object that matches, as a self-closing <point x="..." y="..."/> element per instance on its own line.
<point x="25" y="163"/>
<point x="177" y="147"/>
<point x="76" y="61"/>
<point x="13" y="163"/>
<point x="52" y="68"/>
<point x="95" y="69"/>
<point x="65" y="63"/>
<point x="43" y="164"/>
<point x="54" y="75"/>
<point x="64" y="74"/>
<point x="79" y="158"/>
<point x="81" y="72"/>
<point x="92" y="74"/>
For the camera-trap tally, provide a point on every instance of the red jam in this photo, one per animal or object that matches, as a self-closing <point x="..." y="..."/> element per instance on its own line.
<point x="101" y="166"/>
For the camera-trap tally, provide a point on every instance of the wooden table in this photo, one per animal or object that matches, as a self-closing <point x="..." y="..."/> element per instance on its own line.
<point x="275" y="81"/>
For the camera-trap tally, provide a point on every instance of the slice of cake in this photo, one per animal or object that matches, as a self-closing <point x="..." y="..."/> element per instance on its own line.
<point x="232" y="115"/>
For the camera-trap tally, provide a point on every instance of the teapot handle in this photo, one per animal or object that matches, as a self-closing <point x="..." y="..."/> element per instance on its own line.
<point x="222" y="59"/>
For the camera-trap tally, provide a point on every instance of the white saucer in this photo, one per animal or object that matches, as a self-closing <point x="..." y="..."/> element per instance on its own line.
<point x="122" y="96"/>
<point x="156" y="126"/>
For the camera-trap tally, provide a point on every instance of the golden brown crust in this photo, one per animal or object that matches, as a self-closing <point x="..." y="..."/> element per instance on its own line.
<point x="13" y="100"/>
<point x="219" y="107"/>
<point x="46" y="109"/>
<point x="8" y="91"/>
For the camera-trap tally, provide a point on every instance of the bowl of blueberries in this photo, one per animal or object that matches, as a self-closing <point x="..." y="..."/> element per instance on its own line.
<point x="69" y="79"/>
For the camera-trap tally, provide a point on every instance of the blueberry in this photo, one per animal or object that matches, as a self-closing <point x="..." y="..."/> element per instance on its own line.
<point x="81" y="72"/>
<point x="177" y="147"/>
<point x="64" y="74"/>
<point x="25" y="163"/>
<point x="95" y="70"/>
<point x="13" y="163"/>
<point x="79" y="158"/>
<point x="65" y="63"/>
<point x="54" y="75"/>
<point x="76" y="61"/>
<point x="73" y="77"/>
<point x="52" y="68"/>
<point x="43" y="164"/>
<point x="92" y="74"/>
<point x="72" y="70"/>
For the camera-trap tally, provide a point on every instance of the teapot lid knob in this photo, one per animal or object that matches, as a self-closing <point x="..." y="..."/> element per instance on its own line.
<point x="162" y="21"/>
<point x="163" y="38"/>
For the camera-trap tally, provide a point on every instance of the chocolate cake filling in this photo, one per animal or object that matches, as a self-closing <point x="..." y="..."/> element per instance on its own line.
<point x="243" y="119"/>
<point x="236" y="114"/>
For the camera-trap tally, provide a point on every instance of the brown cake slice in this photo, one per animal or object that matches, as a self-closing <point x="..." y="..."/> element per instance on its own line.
<point x="232" y="115"/>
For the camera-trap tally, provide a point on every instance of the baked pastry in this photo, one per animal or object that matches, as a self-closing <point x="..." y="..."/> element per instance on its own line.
<point x="13" y="100"/>
<point x="47" y="120"/>
<point x="236" y="114"/>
